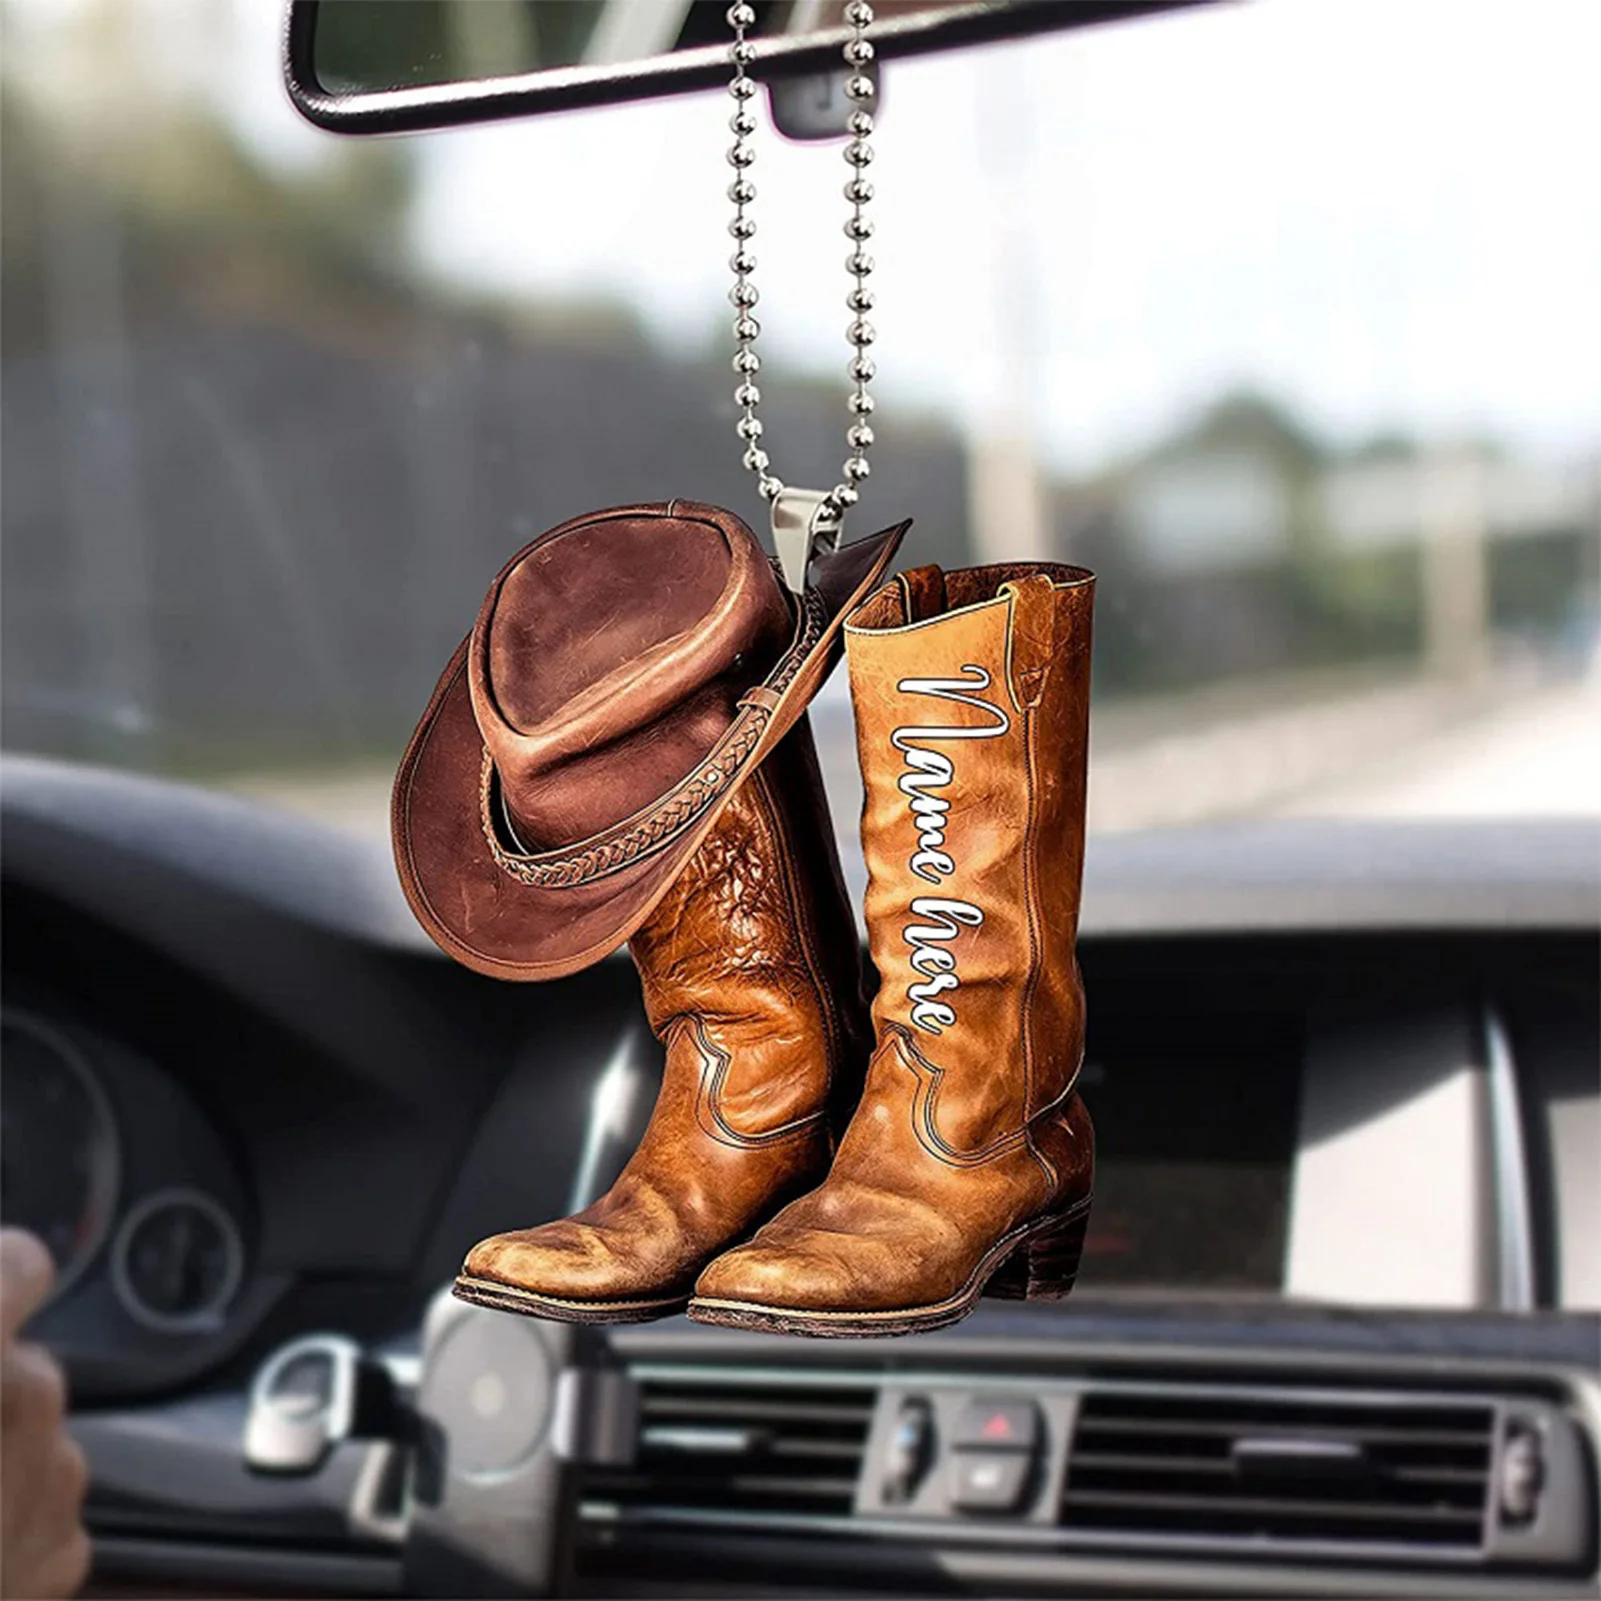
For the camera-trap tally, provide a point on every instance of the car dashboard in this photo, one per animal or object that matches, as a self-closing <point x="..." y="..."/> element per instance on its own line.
<point x="1336" y="1329"/>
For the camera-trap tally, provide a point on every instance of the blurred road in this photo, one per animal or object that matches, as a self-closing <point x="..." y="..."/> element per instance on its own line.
<point x="1537" y="757"/>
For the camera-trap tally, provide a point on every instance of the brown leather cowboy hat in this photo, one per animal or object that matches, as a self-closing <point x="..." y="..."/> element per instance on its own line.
<point x="627" y="671"/>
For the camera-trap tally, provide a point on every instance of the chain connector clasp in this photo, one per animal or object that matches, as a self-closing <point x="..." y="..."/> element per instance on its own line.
<point x="804" y="522"/>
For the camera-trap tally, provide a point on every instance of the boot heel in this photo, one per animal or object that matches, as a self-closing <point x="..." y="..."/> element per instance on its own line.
<point x="1044" y="1266"/>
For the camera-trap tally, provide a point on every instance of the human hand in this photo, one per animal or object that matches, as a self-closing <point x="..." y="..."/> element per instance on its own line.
<point x="44" y="1551"/>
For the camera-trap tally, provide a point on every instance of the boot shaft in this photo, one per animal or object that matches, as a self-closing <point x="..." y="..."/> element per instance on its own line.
<point x="751" y="961"/>
<point x="971" y="692"/>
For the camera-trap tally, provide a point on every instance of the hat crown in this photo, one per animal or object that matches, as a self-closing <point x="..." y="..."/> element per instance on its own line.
<point x="610" y="656"/>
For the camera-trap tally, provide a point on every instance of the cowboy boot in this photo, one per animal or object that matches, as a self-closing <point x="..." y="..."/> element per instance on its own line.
<point x="968" y="1163"/>
<point x="752" y="979"/>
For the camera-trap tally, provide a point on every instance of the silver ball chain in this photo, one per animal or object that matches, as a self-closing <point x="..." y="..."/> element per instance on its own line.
<point x="859" y="88"/>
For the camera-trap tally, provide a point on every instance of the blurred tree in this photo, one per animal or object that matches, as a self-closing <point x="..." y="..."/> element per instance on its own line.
<point x="197" y="212"/>
<point x="1246" y="421"/>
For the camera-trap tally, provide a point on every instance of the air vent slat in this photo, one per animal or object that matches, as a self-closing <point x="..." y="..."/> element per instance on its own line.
<point x="834" y="1450"/>
<point x="1264" y="1506"/>
<point x="743" y="1446"/>
<point x="748" y="1409"/>
<point x="724" y="1490"/>
<point x="1229" y="1428"/>
<point x="791" y="1488"/>
<point x="1284" y="1469"/>
<point x="1223" y="1467"/>
<point x="1477" y="1477"/>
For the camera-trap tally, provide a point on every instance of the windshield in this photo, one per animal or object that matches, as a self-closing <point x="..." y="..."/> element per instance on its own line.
<point x="1283" y="317"/>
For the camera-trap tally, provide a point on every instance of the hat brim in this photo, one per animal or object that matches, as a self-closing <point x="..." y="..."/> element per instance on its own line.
<point x="496" y="923"/>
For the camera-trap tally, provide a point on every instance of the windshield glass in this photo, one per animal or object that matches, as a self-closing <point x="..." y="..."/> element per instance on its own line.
<point x="1282" y="317"/>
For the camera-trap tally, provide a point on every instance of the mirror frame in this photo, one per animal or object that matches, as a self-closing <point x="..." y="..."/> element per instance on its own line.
<point x="415" y="110"/>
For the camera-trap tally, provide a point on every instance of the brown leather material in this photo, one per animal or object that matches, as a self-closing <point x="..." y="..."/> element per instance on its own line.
<point x="607" y="661"/>
<point x="627" y="673"/>
<point x="752" y="980"/>
<point x="971" y="692"/>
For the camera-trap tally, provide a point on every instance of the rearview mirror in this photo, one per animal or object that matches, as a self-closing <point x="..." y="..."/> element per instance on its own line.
<point x="398" y="66"/>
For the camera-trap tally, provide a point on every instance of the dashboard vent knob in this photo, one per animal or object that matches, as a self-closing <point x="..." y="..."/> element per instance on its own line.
<point x="1520" y="1474"/>
<point x="910" y="1450"/>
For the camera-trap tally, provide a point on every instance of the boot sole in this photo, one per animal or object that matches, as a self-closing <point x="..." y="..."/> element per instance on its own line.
<point x="1038" y="1261"/>
<point x="527" y="1303"/>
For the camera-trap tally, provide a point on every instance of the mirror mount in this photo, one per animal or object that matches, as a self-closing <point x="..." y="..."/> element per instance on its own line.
<point x="914" y="31"/>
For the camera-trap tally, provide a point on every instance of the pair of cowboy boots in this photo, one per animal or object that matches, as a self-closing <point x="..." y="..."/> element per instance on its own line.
<point x="814" y="1168"/>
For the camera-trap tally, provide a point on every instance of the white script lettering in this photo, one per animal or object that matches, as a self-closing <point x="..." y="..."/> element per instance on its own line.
<point x="928" y="771"/>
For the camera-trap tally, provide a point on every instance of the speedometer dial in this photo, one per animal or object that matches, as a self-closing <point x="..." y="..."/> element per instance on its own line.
<point x="59" y="1155"/>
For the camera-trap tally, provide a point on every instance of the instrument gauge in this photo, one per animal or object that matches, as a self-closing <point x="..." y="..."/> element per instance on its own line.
<point x="60" y="1153"/>
<point x="177" y="1261"/>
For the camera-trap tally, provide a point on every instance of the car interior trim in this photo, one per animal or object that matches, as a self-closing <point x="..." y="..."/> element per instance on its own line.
<point x="1509" y="1164"/>
<point x="1468" y="1531"/>
<point x="254" y="1570"/>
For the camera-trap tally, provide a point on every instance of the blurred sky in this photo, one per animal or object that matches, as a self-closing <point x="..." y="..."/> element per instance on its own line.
<point x="1384" y="212"/>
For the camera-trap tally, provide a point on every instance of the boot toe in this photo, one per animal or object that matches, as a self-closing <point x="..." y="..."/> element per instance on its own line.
<point x="561" y="1260"/>
<point x="788" y="1276"/>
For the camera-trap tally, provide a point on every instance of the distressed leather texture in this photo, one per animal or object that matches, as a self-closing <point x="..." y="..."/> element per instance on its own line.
<point x="608" y="661"/>
<point x="626" y="674"/>
<point x="752" y="980"/>
<point x="971" y="693"/>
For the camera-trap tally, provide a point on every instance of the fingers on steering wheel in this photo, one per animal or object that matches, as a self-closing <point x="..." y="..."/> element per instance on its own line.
<point x="26" y="1275"/>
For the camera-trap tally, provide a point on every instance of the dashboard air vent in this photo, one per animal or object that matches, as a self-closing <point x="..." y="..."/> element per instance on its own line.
<point x="743" y="1446"/>
<point x="1281" y="1469"/>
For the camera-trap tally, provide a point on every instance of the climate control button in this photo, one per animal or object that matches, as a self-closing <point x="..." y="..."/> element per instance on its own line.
<point x="989" y="1481"/>
<point x="998" y="1425"/>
